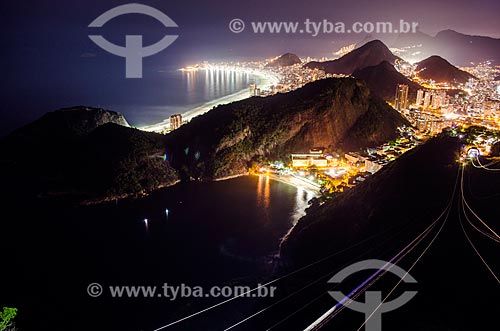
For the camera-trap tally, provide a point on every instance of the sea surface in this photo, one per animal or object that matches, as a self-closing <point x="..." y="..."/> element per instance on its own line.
<point x="188" y="90"/>
<point x="198" y="234"/>
<point x="163" y="91"/>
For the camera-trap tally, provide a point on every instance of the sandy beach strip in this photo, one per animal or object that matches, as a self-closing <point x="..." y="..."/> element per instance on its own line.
<point x="296" y="182"/>
<point x="264" y="81"/>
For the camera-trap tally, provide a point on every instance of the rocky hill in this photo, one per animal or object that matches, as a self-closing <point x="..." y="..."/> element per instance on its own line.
<point x="338" y="114"/>
<point x="384" y="200"/>
<point x="370" y="54"/>
<point x="74" y="121"/>
<point x="441" y="71"/>
<point x="72" y="153"/>
<point x="384" y="217"/>
<point x="383" y="80"/>
<point x="285" y="60"/>
<point x="83" y="153"/>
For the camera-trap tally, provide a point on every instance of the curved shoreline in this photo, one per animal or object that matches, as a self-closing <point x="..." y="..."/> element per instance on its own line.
<point x="265" y="81"/>
<point x="289" y="181"/>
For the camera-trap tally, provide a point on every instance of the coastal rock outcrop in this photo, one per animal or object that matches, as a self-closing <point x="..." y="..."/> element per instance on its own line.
<point x="83" y="153"/>
<point x="337" y="114"/>
<point x="74" y="121"/>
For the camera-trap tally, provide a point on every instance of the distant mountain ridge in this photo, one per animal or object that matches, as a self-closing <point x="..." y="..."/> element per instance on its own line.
<point x="370" y="54"/>
<point x="458" y="48"/>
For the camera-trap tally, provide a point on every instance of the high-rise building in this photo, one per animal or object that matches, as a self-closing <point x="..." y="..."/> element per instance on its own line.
<point x="438" y="99"/>
<point x="427" y="99"/>
<point x="253" y="89"/>
<point x="175" y="121"/>
<point x="444" y="98"/>
<point x="420" y="97"/>
<point x="401" y="99"/>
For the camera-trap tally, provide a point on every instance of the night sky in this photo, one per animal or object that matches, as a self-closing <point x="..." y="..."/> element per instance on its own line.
<point x="51" y="63"/>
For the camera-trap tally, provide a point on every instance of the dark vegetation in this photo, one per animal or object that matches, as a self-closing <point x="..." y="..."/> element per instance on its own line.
<point x="62" y="155"/>
<point x="337" y="114"/>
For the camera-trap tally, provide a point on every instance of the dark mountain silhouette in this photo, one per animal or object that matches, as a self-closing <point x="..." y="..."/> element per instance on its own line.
<point x="68" y="122"/>
<point x="333" y="113"/>
<point x="92" y="157"/>
<point x="285" y="60"/>
<point x="495" y="149"/>
<point x="83" y="153"/>
<point x="375" y="203"/>
<point x="381" y="216"/>
<point x="366" y="39"/>
<point x="460" y="49"/>
<point x="383" y="80"/>
<point x="441" y="71"/>
<point x="370" y="54"/>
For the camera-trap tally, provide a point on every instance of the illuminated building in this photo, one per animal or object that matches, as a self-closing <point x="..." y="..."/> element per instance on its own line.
<point x="401" y="99"/>
<point x="309" y="159"/>
<point x="253" y="89"/>
<point x="438" y="99"/>
<point x="316" y="150"/>
<point x="175" y="121"/>
<point x="354" y="158"/>
<point x="427" y="99"/>
<point x="420" y="97"/>
<point x="373" y="164"/>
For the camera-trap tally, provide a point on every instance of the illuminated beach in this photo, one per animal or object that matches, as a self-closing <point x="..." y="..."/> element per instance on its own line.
<point x="263" y="79"/>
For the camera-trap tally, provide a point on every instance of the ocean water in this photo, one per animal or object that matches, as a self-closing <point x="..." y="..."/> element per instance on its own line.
<point x="164" y="90"/>
<point x="186" y="90"/>
<point x="214" y="233"/>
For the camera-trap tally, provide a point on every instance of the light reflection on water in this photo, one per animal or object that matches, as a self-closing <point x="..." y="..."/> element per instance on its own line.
<point x="264" y="195"/>
<point x="301" y="203"/>
<point x="302" y="198"/>
<point x="213" y="83"/>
